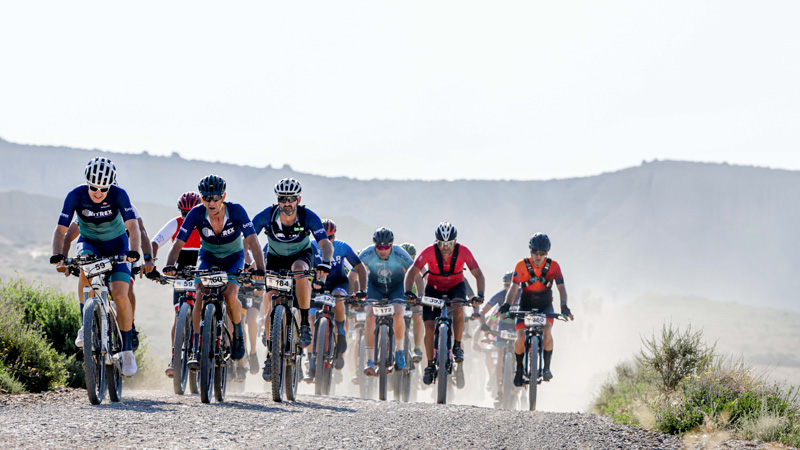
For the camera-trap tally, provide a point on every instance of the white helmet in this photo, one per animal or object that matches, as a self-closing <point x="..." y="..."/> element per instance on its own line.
<point x="446" y="232"/>
<point x="100" y="172"/>
<point x="288" y="186"/>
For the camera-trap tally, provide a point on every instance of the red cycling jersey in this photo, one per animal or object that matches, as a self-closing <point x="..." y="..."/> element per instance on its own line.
<point x="522" y="275"/>
<point x="441" y="282"/>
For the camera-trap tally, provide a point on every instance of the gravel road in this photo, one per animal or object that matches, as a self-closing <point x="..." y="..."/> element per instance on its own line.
<point x="162" y="420"/>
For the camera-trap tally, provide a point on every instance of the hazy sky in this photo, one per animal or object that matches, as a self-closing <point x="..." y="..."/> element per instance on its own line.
<point x="412" y="89"/>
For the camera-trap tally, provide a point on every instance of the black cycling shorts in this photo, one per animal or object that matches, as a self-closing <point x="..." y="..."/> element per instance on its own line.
<point x="276" y="263"/>
<point x="459" y="292"/>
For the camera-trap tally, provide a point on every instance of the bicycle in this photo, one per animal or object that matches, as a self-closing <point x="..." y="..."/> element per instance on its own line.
<point x="287" y="355"/>
<point x="183" y="342"/>
<point x="383" y="311"/>
<point x="325" y="350"/>
<point x="534" y="352"/>
<point x="365" y="384"/>
<point x="102" y="360"/>
<point x="442" y="343"/>
<point x="509" y="398"/>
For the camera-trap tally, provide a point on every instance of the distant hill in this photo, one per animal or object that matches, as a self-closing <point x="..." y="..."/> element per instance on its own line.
<point x="713" y="230"/>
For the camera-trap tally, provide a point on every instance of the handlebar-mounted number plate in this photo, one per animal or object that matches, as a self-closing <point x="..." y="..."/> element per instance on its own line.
<point x="325" y="299"/>
<point x="361" y="317"/>
<point x="96" y="268"/>
<point x="283" y="284"/>
<point x="508" y="335"/>
<point x="432" y="302"/>
<point x="535" y="320"/>
<point x="381" y="311"/>
<point x="214" y="280"/>
<point x="183" y="285"/>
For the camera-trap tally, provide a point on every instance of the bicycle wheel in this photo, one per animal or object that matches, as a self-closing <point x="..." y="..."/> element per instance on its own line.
<point x="363" y="380"/>
<point x="442" y="380"/>
<point x="405" y="383"/>
<point x="383" y="361"/>
<point x="533" y="365"/>
<point x="221" y="368"/>
<point x="507" y="395"/>
<point x="94" y="364"/>
<point x="294" y="359"/>
<point x="181" y="348"/>
<point x="207" y="344"/>
<point x="193" y="387"/>
<point x="327" y="379"/>
<point x="321" y="338"/>
<point x="277" y="336"/>
<point x="114" y="370"/>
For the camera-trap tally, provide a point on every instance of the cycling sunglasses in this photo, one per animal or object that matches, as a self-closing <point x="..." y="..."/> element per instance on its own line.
<point x="94" y="188"/>
<point x="539" y="252"/>
<point x="383" y="247"/>
<point x="446" y="243"/>
<point x="287" y="199"/>
<point x="212" y="198"/>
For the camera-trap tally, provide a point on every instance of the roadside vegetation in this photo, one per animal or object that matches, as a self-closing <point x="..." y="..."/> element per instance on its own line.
<point x="678" y="385"/>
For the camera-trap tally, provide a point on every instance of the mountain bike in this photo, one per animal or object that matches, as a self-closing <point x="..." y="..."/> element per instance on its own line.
<point x="287" y="355"/>
<point x="383" y="310"/>
<point x="102" y="340"/>
<point x="509" y="397"/>
<point x="183" y="342"/>
<point x="325" y="339"/>
<point x="535" y="321"/>
<point x="365" y="384"/>
<point x="442" y="343"/>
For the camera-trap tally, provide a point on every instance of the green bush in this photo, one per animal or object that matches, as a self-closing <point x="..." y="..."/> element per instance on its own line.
<point x="676" y="355"/>
<point x="9" y="384"/>
<point x="620" y="397"/>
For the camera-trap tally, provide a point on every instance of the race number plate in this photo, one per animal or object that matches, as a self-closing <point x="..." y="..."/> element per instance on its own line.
<point x="535" y="321"/>
<point x="183" y="285"/>
<point x="361" y="317"/>
<point x="97" y="268"/>
<point x="214" y="280"/>
<point x="433" y="302"/>
<point x="508" y="335"/>
<point x="381" y="311"/>
<point x="408" y="313"/>
<point x="326" y="299"/>
<point x="283" y="284"/>
<point x="248" y="302"/>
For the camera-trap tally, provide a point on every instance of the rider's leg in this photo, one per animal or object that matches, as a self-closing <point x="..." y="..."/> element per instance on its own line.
<point x="547" y="345"/>
<point x="458" y="322"/>
<point x="119" y="290"/>
<point x="82" y="283"/>
<point x="399" y="325"/>
<point x="369" y="332"/>
<point x="266" y="304"/>
<point x="418" y="326"/>
<point x="252" y="328"/>
<point x="429" y="330"/>
<point x="231" y="295"/>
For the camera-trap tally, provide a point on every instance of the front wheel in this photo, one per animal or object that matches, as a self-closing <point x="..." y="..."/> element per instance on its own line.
<point x="114" y="370"/>
<point x="383" y="361"/>
<point x="442" y="379"/>
<point x="533" y="365"/>
<point x="507" y="395"/>
<point x="207" y="344"/>
<point x="294" y="358"/>
<point x="181" y="349"/>
<point x="94" y="364"/>
<point x="321" y="337"/>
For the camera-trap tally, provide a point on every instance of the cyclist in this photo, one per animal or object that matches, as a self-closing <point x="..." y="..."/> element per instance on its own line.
<point x="337" y="283"/>
<point x="288" y="225"/>
<point x="221" y="226"/>
<point x="187" y="256"/>
<point x="387" y="264"/>
<point x="416" y="309"/>
<point x="502" y="324"/>
<point x="104" y="214"/>
<point x="536" y="276"/>
<point x="445" y="260"/>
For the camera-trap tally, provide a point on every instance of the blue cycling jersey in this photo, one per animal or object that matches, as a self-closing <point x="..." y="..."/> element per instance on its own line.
<point x="386" y="274"/>
<point x="102" y="221"/>
<point x="289" y="240"/>
<point x="229" y="241"/>
<point x="341" y="252"/>
<point x="500" y="297"/>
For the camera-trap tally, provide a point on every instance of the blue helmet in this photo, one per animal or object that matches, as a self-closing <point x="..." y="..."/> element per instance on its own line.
<point x="539" y="241"/>
<point x="211" y="185"/>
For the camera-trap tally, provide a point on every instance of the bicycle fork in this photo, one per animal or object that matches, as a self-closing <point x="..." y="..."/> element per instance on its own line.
<point x="449" y="345"/>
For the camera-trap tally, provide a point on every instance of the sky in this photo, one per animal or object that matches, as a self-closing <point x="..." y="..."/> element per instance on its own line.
<point x="412" y="89"/>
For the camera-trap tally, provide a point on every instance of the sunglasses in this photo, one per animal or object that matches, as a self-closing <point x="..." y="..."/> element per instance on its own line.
<point x="446" y="243"/>
<point x="383" y="247"/>
<point x="539" y="252"/>
<point x="212" y="198"/>
<point x="97" y="188"/>
<point x="287" y="199"/>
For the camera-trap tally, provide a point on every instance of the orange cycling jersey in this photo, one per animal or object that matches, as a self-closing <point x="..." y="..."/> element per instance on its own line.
<point x="535" y="282"/>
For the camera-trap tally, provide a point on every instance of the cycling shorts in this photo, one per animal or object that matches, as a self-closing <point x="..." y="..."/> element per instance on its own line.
<point x="115" y="247"/>
<point x="395" y="295"/>
<point x="459" y="292"/>
<point x="231" y="263"/>
<point x="276" y="263"/>
<point x="187" y="258"/>
<point x="547" y="309"/>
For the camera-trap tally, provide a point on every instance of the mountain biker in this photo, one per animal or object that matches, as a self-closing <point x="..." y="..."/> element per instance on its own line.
<point x="188" y="255"/>
<point x="416" y="316"/>
<point x="445" y="260"/>
<point x="337" y="283"/>
<point x="536" y="276"/>
<point x="288" y="225"/>
<point x="502" y="324"/>
<point x="104" y="214"/>
<point x="221" y="226"/>
<point x="387" y="264"/>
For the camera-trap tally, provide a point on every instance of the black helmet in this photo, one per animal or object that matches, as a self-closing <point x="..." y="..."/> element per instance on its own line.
<point x="507" y="276"/>
<point x="446" y="232"/>
<point x="539" y="241"/>
<point x="383" y="236"/>
<point x="211" y="185"/>
<point x="409" y="248"/>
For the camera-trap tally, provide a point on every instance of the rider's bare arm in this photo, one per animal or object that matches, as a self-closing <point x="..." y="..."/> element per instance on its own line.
<point x="252" y="243"/>
<point x="411" y="277"/>
<point x="135" y="235"/>
<point x="479" y="279"/>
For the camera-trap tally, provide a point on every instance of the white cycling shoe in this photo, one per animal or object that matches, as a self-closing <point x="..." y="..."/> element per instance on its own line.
<point x="79" y="339"/>
<point x="129" y="367"/>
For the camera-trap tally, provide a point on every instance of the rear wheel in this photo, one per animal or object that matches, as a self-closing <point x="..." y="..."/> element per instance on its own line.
<point x="292" y="376"/>
<point x="405" y="381"/>
<point x="223" y="368"/>
<point x="208" y="342"/>
<point x="277" y="340"/>
<point x="507" y="394"/>
<point x="533" y="364"/>
<point x="181" y="349"/>
<point x="94" y="364"/>
<point x="363" y="380"/>
<point x="442" y="379"/>
<point x="113" y="370"/>
<point x="321" y="337"/>
<point x="327" y="380"/>
<point x="383" y="361"/>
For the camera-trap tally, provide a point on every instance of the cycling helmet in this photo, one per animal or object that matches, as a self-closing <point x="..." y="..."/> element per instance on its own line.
<point x="100" y="172"/>
<point x="330" y="227"/>
<point x="507" y="276"/>
<point x="409" y="248"/>
<point x="211" y="185"/>
<point x="539" y="241"/>
<point x="446" y="232"/>
<point x="188" y="201"/>
<point x="383" y="236"/>
<point x="288" y="186"/>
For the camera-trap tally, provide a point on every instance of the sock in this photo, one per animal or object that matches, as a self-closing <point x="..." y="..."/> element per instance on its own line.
<point x="127" y="340"/>
<point x="547" y="355"/>
<point x="196" y="341"/>
<point x="340" y="327"/>
<point x="369" y="351"/>
<point x="399" y="345"/>
<point x="303" y="316"/>
<point x="520" y="357"/>
<point x="81" y="314"/>
<point x="456" y="344"/>
<point x="237" y="330"/>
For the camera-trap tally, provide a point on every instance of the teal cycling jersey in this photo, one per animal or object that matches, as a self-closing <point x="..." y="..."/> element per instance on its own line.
<point x="386" y="274"/>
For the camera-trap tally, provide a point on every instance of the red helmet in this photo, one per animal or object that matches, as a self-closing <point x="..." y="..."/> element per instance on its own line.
<point x="188" y="201"/>
<point x="330" y="227"/>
